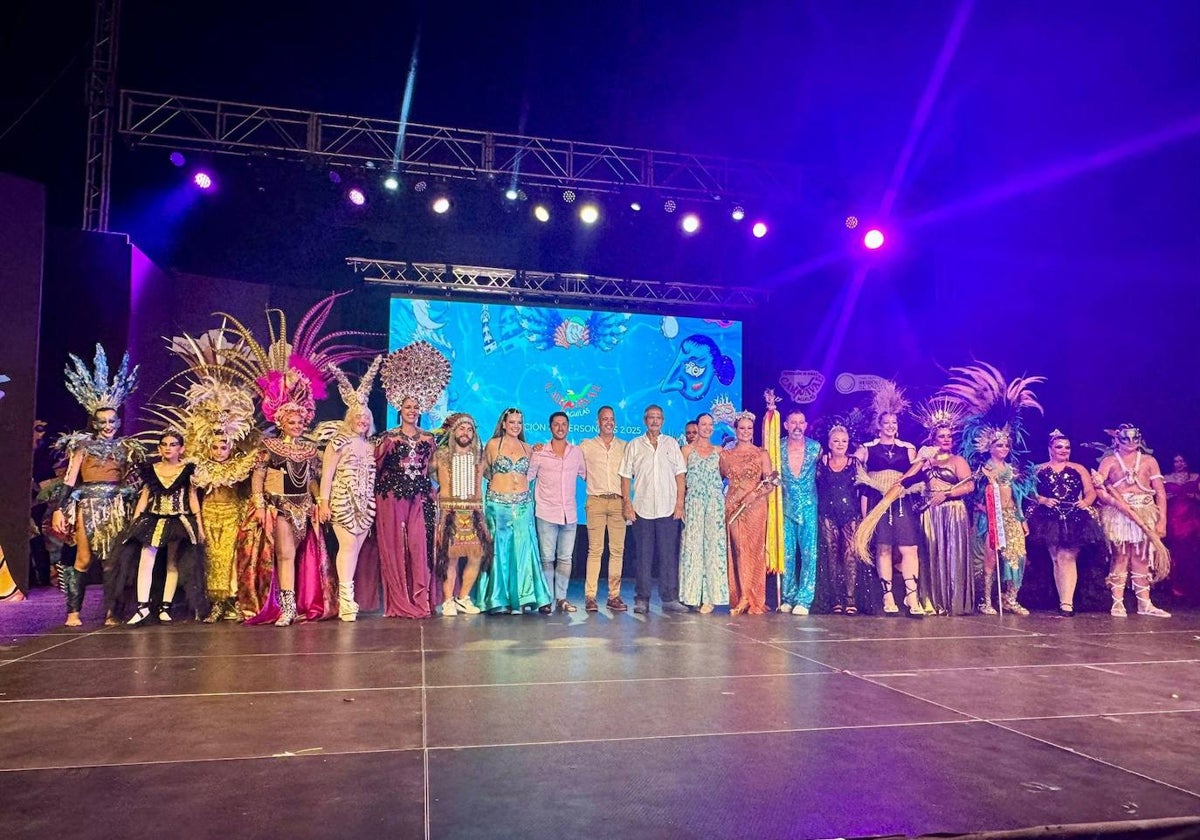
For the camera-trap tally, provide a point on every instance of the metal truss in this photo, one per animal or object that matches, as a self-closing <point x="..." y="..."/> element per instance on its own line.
<point x="441" y="280"/>
<point x="235" y="128"/>
<point x="101" y="94"/>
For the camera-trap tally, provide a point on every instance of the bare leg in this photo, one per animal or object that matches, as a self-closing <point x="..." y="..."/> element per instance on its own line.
<point x="883" y="562"/>
<point x="909" y="569"/>
<point x="1066" y="576"/>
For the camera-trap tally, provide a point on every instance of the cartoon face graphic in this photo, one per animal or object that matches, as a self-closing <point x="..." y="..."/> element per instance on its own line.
<point x="696" y="363"/>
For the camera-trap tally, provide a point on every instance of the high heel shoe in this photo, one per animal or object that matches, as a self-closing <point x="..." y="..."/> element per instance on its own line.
<point x="912" y="602"/>
<point x="889" y="600"/>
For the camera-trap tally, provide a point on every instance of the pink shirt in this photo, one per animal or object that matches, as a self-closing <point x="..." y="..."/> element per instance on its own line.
<point x="554" y="492"/>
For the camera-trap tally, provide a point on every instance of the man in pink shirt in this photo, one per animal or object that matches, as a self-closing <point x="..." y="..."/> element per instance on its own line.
<point x="554" y="469"/>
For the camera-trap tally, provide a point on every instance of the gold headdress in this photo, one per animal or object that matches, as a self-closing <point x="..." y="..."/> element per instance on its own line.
<point x="887" y="399"/>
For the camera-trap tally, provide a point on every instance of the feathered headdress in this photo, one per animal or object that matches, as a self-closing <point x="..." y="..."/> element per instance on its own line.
<point x="418" y="371"/>
<point x="854" y="423"/>
<point x="992" y="405"/>
<point x="356" y="397"/>
<point x="92" y="389"/>
<point x="887" y="399"/>
<point x="287" y="374"/>
<point x="940" y="412"/>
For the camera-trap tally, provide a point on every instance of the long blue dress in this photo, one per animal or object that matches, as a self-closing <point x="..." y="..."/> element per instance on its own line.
<point x="703" y="554"/>
<point x="515" y="579"/>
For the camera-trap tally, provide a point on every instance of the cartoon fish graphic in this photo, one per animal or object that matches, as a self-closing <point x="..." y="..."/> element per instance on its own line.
<point x="572" y="332"/>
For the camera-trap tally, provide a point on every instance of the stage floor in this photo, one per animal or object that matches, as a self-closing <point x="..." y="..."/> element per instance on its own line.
<point x="593" y="725"/>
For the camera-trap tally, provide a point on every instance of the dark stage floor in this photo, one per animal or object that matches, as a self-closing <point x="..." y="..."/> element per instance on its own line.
<point x="644" y="727"/>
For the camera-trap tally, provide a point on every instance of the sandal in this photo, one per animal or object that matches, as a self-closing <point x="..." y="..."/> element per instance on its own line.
<point x="837" y="609"/>
<point x="565" y="606"/>
<point x="851" y="609"/>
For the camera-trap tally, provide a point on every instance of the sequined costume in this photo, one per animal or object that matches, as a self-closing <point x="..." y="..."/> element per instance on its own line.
<point x="166" y="523"/>
<point x="99" y="504"/>
<point x="1183" y="537"/>
<point x="799" y="581"/>
<point x="515" y="580"/>
<point x="998" y="527"/>
<point x="404" y="524"/>
<point x="840" y="581"/>
<point x="226" y="487"/>
<point x="352" y="496"/>
<point x="703" y="554"/>
<point x="1064" y="526"/>
<point x="949" y="584"/>
<point x="748" y="533"/>
<point x="289" y="468"/>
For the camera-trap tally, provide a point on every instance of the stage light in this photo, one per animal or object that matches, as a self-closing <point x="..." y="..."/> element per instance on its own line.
<point x="851" y="222"/>
<point x="569" y="196"/>
<point x="759" y="230"/>
<point x="202" y="180"/>
<point x="873" y="239"/>
<point x="391" y="182"/>
<point x="669" y="205"/>
<point x="440" y="204"/>
<point x="635" y="206"/>
<point x="356" y="196"/>
<point x="335" y="176"/>
<point x="177" y="159"/>
<point x="690" y="223"/>
<point x="420" y="186"/>
<point x="739" y="213"/>
<point x="541" y="213"/>
<point x="589" y="213"/>
<point x="512" y="194"/>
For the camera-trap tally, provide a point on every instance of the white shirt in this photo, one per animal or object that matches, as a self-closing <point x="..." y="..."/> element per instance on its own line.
<point x="652" y="470"/>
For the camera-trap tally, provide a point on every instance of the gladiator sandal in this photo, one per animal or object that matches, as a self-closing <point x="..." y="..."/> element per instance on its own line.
<point x="912" y="601"/>
<point x="1010" y="602"/>
<point x="985" y="599"/>
<point x="1142" y="592"/>
<point x="347" y="608"/>
<point x="1116" y="588"/>
<point x="164" y="612"/>
<point x="889" y="600"/>
<point x="141" y="615"/>
<point x="287" y="608"/>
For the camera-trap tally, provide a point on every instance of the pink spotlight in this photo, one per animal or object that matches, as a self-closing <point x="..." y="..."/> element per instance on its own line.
<point x="356" y="196"/>
<point x="202" y="180"/>
<point x="759" y="230"/>
<point x="873" y="239"/>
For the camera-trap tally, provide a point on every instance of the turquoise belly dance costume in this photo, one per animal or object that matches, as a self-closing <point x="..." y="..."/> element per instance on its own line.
<point x="515" y="580"/>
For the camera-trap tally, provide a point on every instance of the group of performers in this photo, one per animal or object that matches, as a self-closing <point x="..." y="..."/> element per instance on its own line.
<point x="233" y="517"/>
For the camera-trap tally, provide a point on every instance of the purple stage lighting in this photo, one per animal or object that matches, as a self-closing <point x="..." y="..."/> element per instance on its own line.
<point x="851" y="222"/>
<point x="177" y="159"/>
<point x="690" y="223"/>
<point x="356" y="196"/>
<point x="334" y="177"/>
<point x="202" y="180"/>
<point x="739" y="213"/>
<point x="873" y="239"/>
<point x="759" y="230"/>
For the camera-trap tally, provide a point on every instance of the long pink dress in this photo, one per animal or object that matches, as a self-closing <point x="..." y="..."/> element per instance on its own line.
<point x="1183" y="538"/>
<point x="404" y="525"/>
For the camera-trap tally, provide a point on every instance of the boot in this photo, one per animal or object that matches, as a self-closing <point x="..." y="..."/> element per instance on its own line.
<point x="74" y="585"/>
<point x="1141" y="590"/>
<point x="287" y="608"/>
<point x="217" y="612"/>
<point x="1010" y="602"/>
<point x="985" y="597"/>
<point x="347" y="608"/>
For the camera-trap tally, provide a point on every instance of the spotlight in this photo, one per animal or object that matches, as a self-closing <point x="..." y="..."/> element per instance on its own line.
<point x="589" y="213"/>
<point x="739" y="213"/>
<point x="759" y="230"/>
<point x="569" y="196"/>
<point x="203" y="180"/>
<point x="873" y="239"/>
<point x="669" y="205"/>
<point x="541" y="213"/>
<point x="391" y="182"/>
<point x="512" y="194"/>
<point x="440" y="204"/>
<point x="420" y="186"/>
<point x="635" y="206"/>
<point x="851" y="222"/>
<point x="335" y="177"/>
<point x="690" y="223"/>
<point x="356" y="196"/>
<point x="177" y="159"/>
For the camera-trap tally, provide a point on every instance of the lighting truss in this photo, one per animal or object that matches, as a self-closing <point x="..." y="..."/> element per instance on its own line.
<point x="441" y="280"/>
<point x="236" y="128"/>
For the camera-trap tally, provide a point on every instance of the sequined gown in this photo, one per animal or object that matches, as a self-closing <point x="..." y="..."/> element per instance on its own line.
<point x="404" y="525"/>
<point x="703" y="553"/>
<point x="1183" y="538"/>
<point x="799" y="579"/>
<point x="515" y="580"/>
<point x="840" y="574"/>
<point x="748" y="533"/>
<point x="223" y="508"/>
<point x="949" y="583"/>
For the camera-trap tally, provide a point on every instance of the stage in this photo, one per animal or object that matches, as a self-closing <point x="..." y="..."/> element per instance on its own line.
<point x="660" y="726"/>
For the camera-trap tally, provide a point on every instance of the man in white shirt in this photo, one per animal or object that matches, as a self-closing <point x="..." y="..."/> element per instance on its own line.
<point x="653" y="465"/>
<point x="605" y="517"/>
